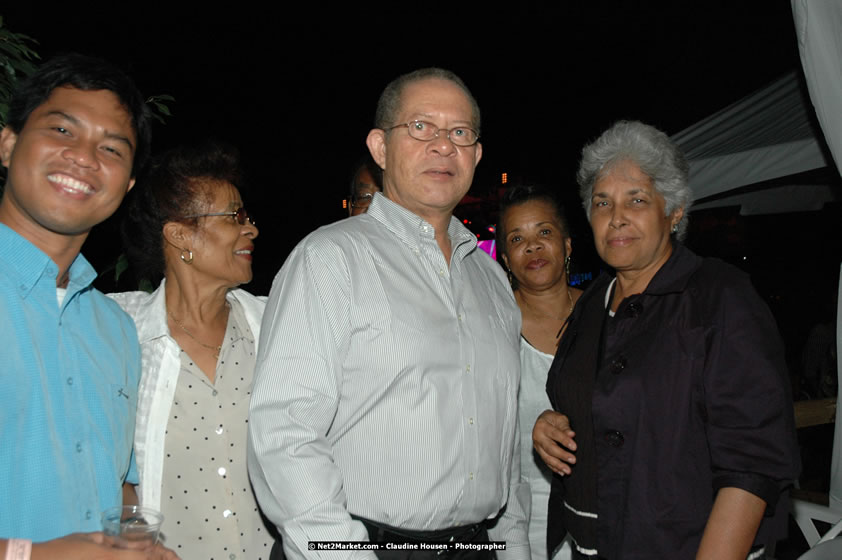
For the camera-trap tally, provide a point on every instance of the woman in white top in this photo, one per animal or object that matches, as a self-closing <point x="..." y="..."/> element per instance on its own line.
<point x="535" y="247"/>
<point x="198" y="335"/>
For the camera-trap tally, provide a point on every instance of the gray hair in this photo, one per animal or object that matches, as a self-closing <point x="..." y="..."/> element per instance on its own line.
<point x="389" y="104"/>
<point x="652" y="151"/>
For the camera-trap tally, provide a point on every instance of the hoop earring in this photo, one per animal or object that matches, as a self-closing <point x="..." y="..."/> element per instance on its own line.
<point x="189" y="258"/>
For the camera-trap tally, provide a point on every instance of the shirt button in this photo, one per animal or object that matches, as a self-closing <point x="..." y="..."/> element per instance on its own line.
<point x="219" y="431"/>
<point x="70" y="381"/>
<point x="78" y="447"/>
<point x="471" y="476"/>
<point x="634" y="309"/>
<point x="221" y="471"/>
<point x="471" y="421"/>
<point x="614" y="438"/>
<point x="459" y="316"/>
<point x="226" y="513"/>
<point x="618" y="365"/>
<point x="468" y="367"/>
<point x="215" y="392"/>
<point x="88" y="514"/>
<point x="232" y="557"/>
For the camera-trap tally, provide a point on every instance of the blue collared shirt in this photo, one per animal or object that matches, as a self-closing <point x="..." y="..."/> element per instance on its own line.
<point x="68" y="394"/>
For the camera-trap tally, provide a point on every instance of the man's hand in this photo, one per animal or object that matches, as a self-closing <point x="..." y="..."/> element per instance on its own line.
<point x="96" y="546"/>
<point x="553" y="440"/>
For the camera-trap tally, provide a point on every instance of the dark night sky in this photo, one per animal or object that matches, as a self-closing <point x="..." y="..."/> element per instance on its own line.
<point x="296" y="93"/>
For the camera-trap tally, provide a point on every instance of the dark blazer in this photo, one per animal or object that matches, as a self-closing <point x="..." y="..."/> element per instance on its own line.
<point x="691" y="395"/>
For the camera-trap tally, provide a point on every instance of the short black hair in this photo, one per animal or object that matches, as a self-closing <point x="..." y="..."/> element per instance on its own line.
<point x="88" y="74"/>
<point x="174" y="186"/>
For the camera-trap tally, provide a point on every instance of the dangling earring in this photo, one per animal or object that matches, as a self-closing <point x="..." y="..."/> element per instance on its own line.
<point x="189" y="258"/>
<point x="567" y="268"/>
<point x="675" y="228"/>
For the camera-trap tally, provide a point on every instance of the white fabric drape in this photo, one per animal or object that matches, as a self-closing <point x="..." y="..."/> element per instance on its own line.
<point x="765" y="135"/>
<point x="818" y="28"/>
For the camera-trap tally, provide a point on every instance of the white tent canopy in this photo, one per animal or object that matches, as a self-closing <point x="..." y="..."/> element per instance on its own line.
<point x="817" y="28"/>
<point x="766" y="135"/>
<point x="769" y="135"/>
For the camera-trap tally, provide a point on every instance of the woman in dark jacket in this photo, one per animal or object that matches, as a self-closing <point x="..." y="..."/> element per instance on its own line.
<point x="673" y="427"/>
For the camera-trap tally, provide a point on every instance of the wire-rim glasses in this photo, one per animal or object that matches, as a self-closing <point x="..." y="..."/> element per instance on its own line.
<point x="240" y="215"/>
<point x="463" y="136"/>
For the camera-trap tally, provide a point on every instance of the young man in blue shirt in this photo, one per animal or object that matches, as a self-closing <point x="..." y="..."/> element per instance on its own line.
<point x="77" y="132"/>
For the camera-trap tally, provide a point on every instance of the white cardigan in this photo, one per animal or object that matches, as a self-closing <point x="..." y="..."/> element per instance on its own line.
<point x="161" y="365"/>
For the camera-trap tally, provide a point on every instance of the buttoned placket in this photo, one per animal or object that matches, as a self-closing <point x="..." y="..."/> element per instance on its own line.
<point x="448" y="280"/>
<point x="73" y="388"/>
<point x="625" y="320"/>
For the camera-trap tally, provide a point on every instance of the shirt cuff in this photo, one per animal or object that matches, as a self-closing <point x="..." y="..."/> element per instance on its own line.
<point x="765" y="488"/>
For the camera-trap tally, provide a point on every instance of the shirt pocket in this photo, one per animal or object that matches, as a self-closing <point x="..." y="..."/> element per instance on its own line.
<point x="120" y="406"/>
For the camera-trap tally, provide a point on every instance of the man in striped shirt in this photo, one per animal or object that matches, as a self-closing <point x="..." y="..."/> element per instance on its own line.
<point x="384" y="402"/>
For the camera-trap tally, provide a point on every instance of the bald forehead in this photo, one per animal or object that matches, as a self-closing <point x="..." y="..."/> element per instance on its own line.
<point x="431" y="88"/>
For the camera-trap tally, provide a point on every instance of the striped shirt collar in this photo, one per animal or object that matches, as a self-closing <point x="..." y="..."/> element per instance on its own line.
<point x="411" y="229"/>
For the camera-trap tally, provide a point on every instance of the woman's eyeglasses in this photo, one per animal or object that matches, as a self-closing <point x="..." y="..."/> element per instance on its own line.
<point x="240" y="215"/>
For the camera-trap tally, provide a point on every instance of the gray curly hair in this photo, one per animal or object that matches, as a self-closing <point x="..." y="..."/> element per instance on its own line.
<point x="652" y="151"/>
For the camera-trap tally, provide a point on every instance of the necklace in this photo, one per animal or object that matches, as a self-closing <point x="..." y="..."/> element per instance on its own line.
<point x="556" y="317"/>
<point x="216" y="349"/>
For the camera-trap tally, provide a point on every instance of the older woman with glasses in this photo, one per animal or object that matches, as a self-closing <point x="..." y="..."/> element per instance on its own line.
<point x="198" y="335"/>
<point x="673" y="427"/>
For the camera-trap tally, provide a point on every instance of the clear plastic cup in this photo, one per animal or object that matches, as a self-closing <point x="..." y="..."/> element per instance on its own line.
<point x="132" y="526"/>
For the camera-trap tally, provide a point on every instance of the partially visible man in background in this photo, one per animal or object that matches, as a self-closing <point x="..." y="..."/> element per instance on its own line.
<point x="367" y="180"/>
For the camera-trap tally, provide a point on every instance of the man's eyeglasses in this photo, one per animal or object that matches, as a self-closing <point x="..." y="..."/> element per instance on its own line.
<point x="425" y="131"/>
<point x="240" y="215"/>
<point x="361" y="201"/>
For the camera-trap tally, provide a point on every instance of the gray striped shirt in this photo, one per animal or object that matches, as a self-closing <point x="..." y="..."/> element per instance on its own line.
<point x="386" y="386"/>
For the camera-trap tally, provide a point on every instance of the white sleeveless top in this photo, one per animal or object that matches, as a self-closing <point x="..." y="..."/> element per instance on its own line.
<point x="532" y="400"/>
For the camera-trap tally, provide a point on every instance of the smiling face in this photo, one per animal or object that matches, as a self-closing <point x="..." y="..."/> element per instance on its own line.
<point x="69" y="167"/>
<point x="536" y="245"/>
<point x="427" y="178"/>
<point x="631" y="229"/>
<point x="222" y="248"/>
